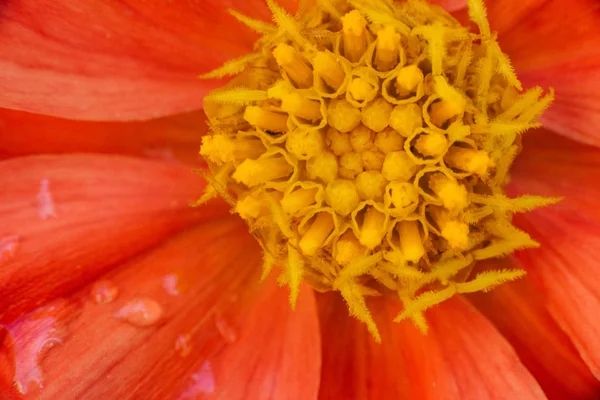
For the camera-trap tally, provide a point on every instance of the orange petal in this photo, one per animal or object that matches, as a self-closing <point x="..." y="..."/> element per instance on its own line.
<point x="211" y="329"/>
<point x="565" y="270"/>
<point x="518" y="312"/>
<point x="557" y="47"/>
<point x="461" y="357"/>
<point x="565" y="267"/>
<point x="503" y="15"/>
<point x="451" y="5"/>
<point x="67" y="219"/>
<point x="544" y="35"/>
<point x="575" y="112"/>
<point x="551" y="165"/>
<point x="174" y="138"/>
<point x="117" y="60"/>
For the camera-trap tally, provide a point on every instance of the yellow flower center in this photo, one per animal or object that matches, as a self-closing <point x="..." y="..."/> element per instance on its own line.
<point x="366" y="144"/>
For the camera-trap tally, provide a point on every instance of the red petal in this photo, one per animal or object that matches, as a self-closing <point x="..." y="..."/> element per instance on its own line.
<point x="461" y="357"/>
<point x="576" y="110"/>
<point x="518" y="312"/>
<point x="565" y="268"/>
<point x="551" y="165"/>
<point x="554" y="46"/>
<point x="67" y="219"/>
<point x="171" y="139"/>
<point x="219" y="332"/>
<point x="116" y="60"/>
<point x="548" y="35"/>
<point x="174" y="138"/>
<point x="451" y="5"/>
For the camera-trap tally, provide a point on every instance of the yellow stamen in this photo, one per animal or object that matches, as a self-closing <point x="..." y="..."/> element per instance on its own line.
<point x="256" y="172"/>
<point x="294" y="65"/>
<point x="354" y="34"/>
<point x="300" y="106"/>
<point x="265" y="119"/>
<point x="328" y="68"/>
<point x="304" y="145"/>
<point x="442" y="111"/>
<point x="299" y="199"/>
<point x="407" y="80"/>
<point x="315" y="236"/>
<point x="223" y="149"/>
<point x="411" y="243"/>
<point x="373" y="228"/>
<point x="432" y="144"/>
<point x="386" y="50"/>
<point x="402" y="194"/>
<point x="454" y="196"/>
<point x="468" y="160"/>
<point x="249" y="207"/>
<point x="455" y="232"/>
<point x="348" y="248"/>
<point x="360" y="88"/>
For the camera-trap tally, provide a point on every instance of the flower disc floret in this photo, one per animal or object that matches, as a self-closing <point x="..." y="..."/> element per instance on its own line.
<point x="367" y="145"/>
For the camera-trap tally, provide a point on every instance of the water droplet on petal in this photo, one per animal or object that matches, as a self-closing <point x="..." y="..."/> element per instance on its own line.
<point x="140" y="312"/>
<point x="182" y="345"/>
<point x="103" y="292"/>
<point x="44" y="201"/>
<point x="202" y="382"/>
<point x="8" y="247"/>
<point x="225" y="329"/>
<point x="170" y="283"/>
<point x="33" y="335"/>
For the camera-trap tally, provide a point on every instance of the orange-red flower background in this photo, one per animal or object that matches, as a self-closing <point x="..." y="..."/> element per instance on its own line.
<point x="101" y="102"/>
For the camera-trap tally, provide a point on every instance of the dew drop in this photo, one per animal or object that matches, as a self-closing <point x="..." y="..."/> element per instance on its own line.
<point x="140" y="312"/>
<point x="201" y="382"/>
<point x="225" y="329"/>
<point x="8" y="247"/>
<point x="170" y="283"/>
<point x="103" y="292"/>
<point x="44" y="201"/>
<point x="33" y="335"/>
<point x="183" y="346"/>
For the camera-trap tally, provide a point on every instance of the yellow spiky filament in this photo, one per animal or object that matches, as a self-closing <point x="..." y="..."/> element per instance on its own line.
<point x="368" y="154"/>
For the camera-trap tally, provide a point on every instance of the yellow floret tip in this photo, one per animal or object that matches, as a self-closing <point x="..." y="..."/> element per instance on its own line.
<point x="354" y="23"/>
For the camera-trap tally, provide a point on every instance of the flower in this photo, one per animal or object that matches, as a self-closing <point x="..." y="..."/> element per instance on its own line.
<point x="111" y="285"/>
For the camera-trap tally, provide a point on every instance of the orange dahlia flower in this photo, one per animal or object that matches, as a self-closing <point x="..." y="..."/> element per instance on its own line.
<point x="112" y="286"/>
